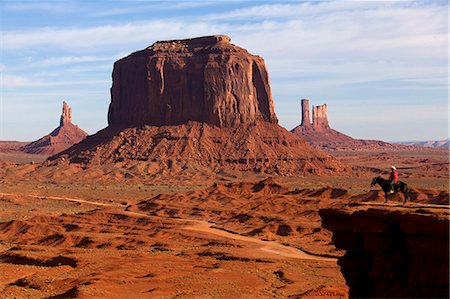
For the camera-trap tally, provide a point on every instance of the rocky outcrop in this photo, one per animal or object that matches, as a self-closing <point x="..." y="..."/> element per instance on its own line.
<point x="63" y="137"/>
<point x="320" y="118"/>
<point x="392" y="252"/>
<point x="204" y="79"/>
<point x="66" y="115"/>
<point x="320" y="134"/>
<point x="306" y="121"/>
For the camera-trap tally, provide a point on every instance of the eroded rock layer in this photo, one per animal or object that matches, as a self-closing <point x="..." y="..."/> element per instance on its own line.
<point x="204" y="79"/>
<point x="392" y="252"/>
<point x="263" y="147"/>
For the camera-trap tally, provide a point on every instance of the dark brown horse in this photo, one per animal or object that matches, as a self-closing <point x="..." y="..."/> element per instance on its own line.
<point x="386" y="186"/>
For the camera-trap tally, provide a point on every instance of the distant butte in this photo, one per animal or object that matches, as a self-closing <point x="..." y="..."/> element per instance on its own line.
<point x="320" y="134"/>
<point x="199" y="105"/>
<point x="63" y="137"/>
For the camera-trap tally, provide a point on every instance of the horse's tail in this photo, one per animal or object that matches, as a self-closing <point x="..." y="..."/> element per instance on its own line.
<point x="406" y="192"/>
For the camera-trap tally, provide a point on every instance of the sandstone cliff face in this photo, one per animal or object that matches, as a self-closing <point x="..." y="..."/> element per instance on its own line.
<point x="306" y="121"/>
<point x="320" y="118"/>
<point x="205" y="79"/>
<point x="392" y="253"/>
<point x="63" y="137"/>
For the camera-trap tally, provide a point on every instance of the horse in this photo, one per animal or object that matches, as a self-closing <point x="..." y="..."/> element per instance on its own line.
<point x="386" y="186"/>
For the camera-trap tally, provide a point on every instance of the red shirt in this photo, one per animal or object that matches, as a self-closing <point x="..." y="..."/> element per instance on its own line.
<point x="394" y="176"/>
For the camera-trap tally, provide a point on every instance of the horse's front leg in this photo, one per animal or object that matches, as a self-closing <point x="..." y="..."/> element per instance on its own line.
<point x="385" y="196"/>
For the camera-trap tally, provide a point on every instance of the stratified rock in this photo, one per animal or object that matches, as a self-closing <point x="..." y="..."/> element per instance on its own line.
<point x="204" y="79"/>
<point x="63" y="137"/>
<point x="200" y="105"/>
<point x="392" y="252"/>
<point x="320" y="118"/>
<point x="306" y="121"/>
<point x="193" y="147"/>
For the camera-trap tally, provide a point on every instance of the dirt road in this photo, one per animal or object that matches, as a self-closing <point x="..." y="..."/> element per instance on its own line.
<point x="266" y="246"/>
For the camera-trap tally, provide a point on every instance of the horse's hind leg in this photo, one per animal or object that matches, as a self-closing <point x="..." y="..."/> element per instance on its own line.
<point x="405" y="194"/>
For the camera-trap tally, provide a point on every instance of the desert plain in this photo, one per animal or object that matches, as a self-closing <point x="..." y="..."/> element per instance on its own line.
<point x="229" y="235"/>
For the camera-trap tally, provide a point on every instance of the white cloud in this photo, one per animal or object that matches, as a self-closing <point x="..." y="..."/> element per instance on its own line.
<point x="52" y="6"/>
<point x="57" y="61"/>
<point x="95" y="38"/>
<point x="11" y="81"/>
<point x="310" y="10"/>
<point x="14" y="81"/>
<point x="355" y="29"/>
<point x="282" y="10"/>
<point x="154" y="6"/>
<point x="389" y="34"/>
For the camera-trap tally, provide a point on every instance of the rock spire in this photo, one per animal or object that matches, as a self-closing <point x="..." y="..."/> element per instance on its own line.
<point x="306" y="122"/>
<point x="320" y="118"/>
<point x="66" y="116"/>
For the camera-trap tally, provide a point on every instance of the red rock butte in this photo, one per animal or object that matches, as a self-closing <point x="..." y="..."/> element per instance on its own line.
<point x="205" y="79"/>
<point x="63" y="137"/>
<point x="196" y="104"/>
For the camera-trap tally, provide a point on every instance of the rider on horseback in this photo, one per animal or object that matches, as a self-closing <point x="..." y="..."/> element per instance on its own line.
<point x="393" y="179"/>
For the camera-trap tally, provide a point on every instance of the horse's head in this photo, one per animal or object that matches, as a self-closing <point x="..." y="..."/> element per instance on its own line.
<point x="374" y="181"/>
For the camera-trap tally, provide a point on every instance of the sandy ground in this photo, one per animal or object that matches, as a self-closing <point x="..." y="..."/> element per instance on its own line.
<point x="94" y="249"/>
<point x="233" y="236"/>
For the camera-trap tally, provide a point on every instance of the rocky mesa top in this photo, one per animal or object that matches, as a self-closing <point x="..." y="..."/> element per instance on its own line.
<point x="187" y="47"/>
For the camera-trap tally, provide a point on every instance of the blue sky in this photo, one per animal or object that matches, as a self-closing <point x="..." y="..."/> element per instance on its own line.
<point x="381" y="66"/>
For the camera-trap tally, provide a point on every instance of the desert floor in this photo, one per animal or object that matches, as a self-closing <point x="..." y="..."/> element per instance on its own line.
<point x="226" y="236"/>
